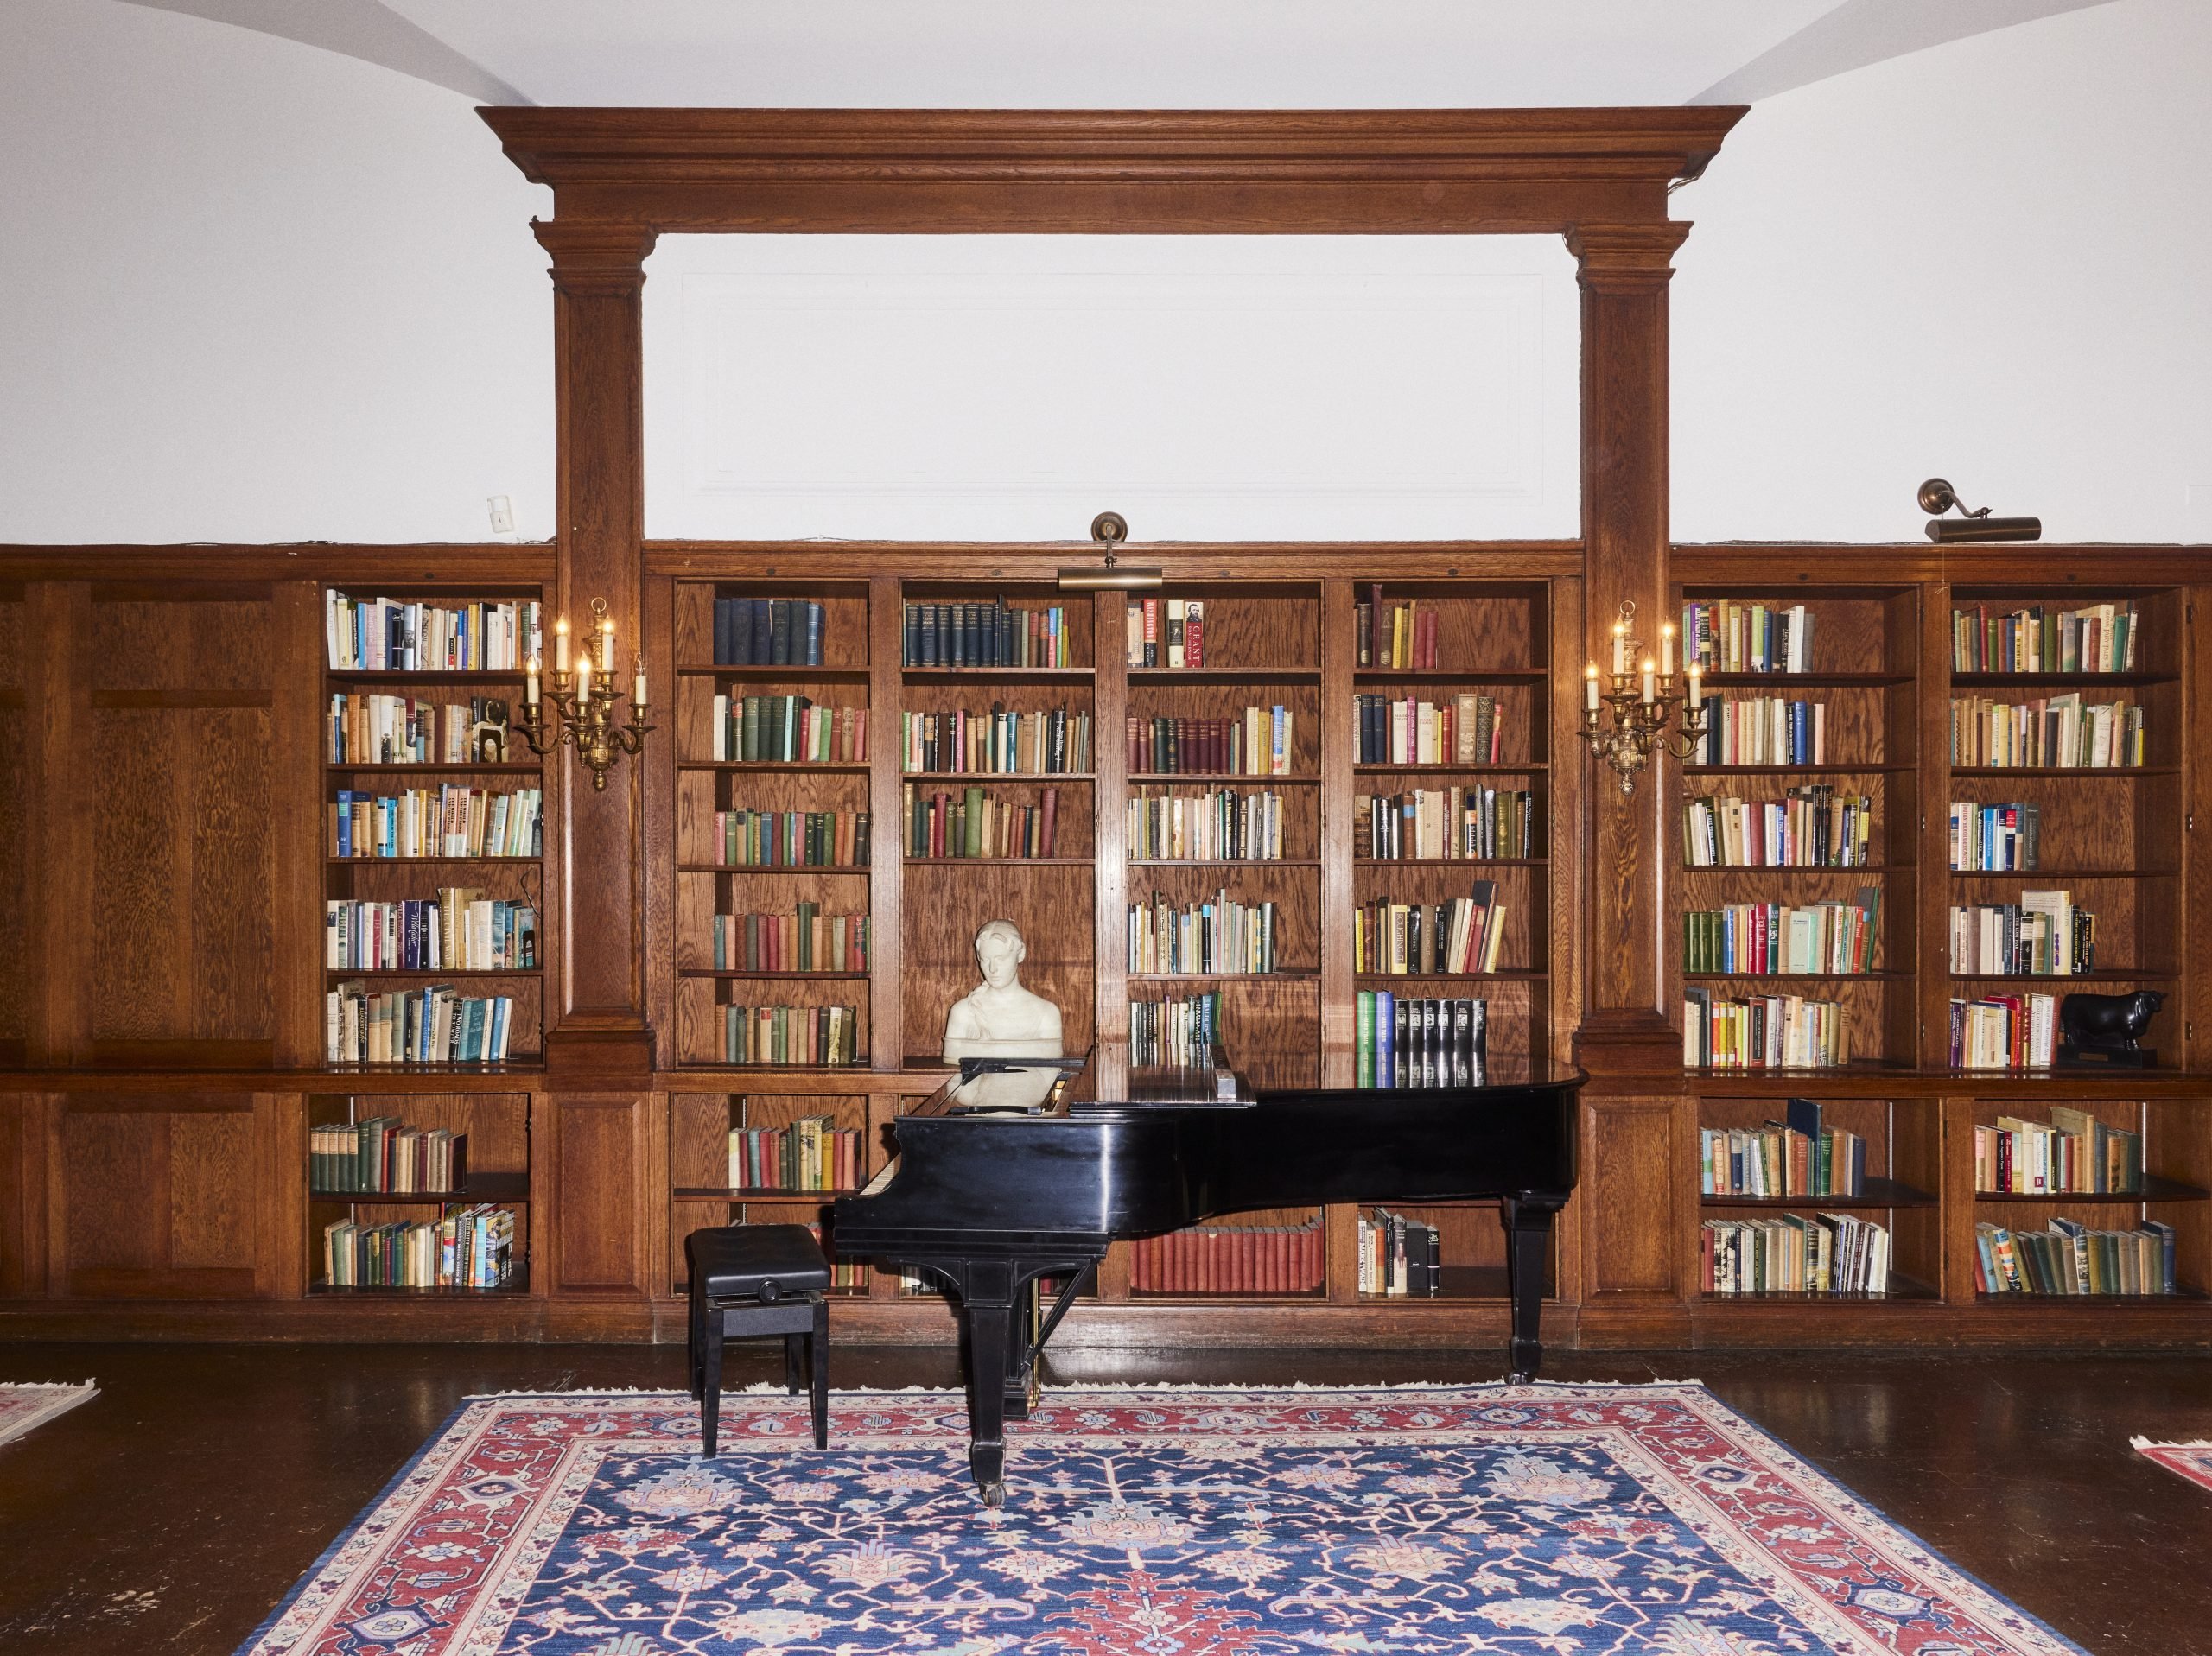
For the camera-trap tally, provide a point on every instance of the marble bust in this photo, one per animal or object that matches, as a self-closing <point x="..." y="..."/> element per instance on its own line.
<point x="999" y="1018"/>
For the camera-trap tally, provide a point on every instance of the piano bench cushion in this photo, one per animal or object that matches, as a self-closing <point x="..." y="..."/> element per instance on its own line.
<point x="762" y="1262"/>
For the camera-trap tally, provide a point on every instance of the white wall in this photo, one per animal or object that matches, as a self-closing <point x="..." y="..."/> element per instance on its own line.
<point x="252" y="291"/>
<point x="1990" y="261"/>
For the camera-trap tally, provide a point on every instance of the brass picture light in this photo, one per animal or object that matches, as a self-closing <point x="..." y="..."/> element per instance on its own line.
<point x="1938" y="497"/>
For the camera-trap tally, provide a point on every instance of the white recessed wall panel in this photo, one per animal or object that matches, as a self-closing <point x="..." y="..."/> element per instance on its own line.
<point x="1208" y="388"/>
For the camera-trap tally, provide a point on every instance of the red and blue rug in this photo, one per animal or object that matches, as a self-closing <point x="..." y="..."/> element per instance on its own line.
<point x="23" y="1406"/>
<point x="1553" y="1521"/>
<point x="2191" y="1461"/>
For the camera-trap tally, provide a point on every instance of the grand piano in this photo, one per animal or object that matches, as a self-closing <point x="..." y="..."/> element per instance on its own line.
<point x="988" y="1200"/>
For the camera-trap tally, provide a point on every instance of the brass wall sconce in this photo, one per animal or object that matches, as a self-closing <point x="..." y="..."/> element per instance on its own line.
<point x="1110" y="529"/>
<point x="1938" y="497"/>
<point x="572" y="712"/>
<point x="1642" y="702"/>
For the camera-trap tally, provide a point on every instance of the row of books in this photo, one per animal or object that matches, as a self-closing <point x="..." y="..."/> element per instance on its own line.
<point x="1396" y="635"/>
<point x="1762" y="730"/>
<point x="459" y="929"/>
<point x="805" y="940"/>
<point x="2095" y="638"/>
<point x="2004" y="1033"/>
<point x="1259" y="742"/>
<point x="1219" y="934"/>
<point x="986" y="635"/>
<point x="371" y="727"/>
<point x="2069" y="1257"/>
<point x="976" y="823"/>
<point x="380" y="635"/>
<point x="432" y="1025"/>
<point x="1812" y="827"/>
<point x="384" y="1155"/>
<point x="1229" y="1260"/>
<point x="2055" y="731"/>
<point x="786" y="730"/>
<point x="1997" y="837"/>
<point x="1165" y="633"/>
<point x="2042" y="935"/>
<point x="1466" y="730"/>
<point x="768" y="632"/>
<point x="1799" y="1155"/>
<point x="1459" y="935"/>
<point x="1398" y="1256"/>
<point x="1002" y="742"/>
<point x="1222" y="825"/>
<point x="2073" y="1153"/>
<point x="1407" y="1042"/>
<point x="1723" y="636"/>
<point x="1761" y="1032"/>
<point x="811" y="1154"/>
<point x="1795" y="1253"/>
<point x="1475" y="824"/>
<point x="1179" y="1031"/>
<point x="464" y="1247"/>
<point x="744" y="837"/>
<point x="820" y="1036"/>
<point x="1771" y="939"/>
<point x="451" y="820"/>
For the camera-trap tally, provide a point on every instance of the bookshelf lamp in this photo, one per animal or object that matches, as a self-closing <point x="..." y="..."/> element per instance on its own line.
<point x="1939" y="496"/>
<point x="568" y="710"/>
<point x="1642" y="703"/>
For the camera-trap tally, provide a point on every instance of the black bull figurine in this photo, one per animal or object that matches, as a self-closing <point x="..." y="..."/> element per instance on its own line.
<point x="2109" y="1027"/>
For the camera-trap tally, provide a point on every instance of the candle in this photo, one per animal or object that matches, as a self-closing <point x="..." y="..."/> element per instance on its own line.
<point x="583" y="680"/>
<point x="1667" y="651"/>
<point x="606" y="648"/>
<point x="1620" y="648"/>
<point x="1697" y="685"/>
<point x="1650" y="689"/>
<point x="1590" y="686"/>
<point x="561" y="645"/>
<point x="638" y="697"/>
<point x="530" y="692"/>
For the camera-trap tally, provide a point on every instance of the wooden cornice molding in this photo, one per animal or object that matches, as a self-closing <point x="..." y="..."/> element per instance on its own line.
<point x="595" y="258"/>
<point x="1626" y="257"/>
<point x="1380" y="171"/>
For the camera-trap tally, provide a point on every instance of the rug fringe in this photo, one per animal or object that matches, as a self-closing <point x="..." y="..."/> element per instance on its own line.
<point x="762" y="1387"/>
<point x="2149" y="1443"/>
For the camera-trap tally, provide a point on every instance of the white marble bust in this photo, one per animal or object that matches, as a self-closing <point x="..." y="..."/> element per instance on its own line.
<point x="999" y="1018"/>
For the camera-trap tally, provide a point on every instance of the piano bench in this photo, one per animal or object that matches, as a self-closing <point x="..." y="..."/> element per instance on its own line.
<point x="752" y="1281"/>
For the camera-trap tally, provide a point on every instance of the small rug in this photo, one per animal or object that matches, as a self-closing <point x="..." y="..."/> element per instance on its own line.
<point x="22" y="1407"/>
<point x="2192" y="1461"/>
<point x="1555" y="1520"/>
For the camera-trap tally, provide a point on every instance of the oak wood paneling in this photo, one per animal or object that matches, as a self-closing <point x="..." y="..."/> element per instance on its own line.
<point x="1632" y="1197"/>
<point x="600" y="1158"/>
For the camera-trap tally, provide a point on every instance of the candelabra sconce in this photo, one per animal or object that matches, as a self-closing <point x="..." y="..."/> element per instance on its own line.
<point x="569" y="709"/>
<point x="1641" y="701"/>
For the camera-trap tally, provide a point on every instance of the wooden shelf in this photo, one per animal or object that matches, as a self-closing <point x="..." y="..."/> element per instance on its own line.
<point x="1904" y="1290"/>
<point x="1450" y="675"/>
<point x="1471" y="864"/>
<point x="1806" y="681"/>
<point x="978" y="778"/>
<point x="2086" y="772"/>
<point x="828" y="768"/>
<point x="1797" y="977"/>
<point x="1503" y="974"/>
<point x="1690" y="771"/>
<point x="1224" y="977"/>
<point x="508" y="767"/>
<point x="2118" y="974"/>
<point x="508" y="1189"/>
<point x="428" y="972"/>
<point x="766" y="1196"/>
<point x="1220" y="862"/>
<point x="1224" y="776"/>
<point x="997" y="675"/>
<point x="733" y="971"/>
<point x="2155" y="1188"/>
<point x="2065" y="873"/>
<point x="1879" y="1193"/>
<point x="517" y="1286"/>
<point x="856" y="870"/>
<point x="1001" y="862"/>
<point x="423" y="675"/>
<point x="1797" y="868"/>
<point x="2069" y="681"/>
<point x="778" y="675"/>
<point x="417" y="862"/>
<point x="1145" y="677"/>
<point x="1382" y="770"/>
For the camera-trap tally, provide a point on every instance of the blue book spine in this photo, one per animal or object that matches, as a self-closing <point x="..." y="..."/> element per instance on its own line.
<point x="813" y="633"/>
<point x="1386" y="1038"/>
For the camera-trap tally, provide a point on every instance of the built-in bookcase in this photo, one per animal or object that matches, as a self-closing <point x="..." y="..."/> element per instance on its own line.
<point x="15" y="1024"/>
<point x="416" y="827"/>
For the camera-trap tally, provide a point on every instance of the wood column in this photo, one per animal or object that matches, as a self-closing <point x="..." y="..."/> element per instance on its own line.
<point x="1634" y="1207"/>
<point x="597" y="1022"/>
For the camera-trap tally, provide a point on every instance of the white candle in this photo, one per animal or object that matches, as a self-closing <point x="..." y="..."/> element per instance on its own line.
<point x="1650" y="689"/>
<point x="1667" y="651"/>
<point x="1697" y="685"/>
<point x="606" y="648"/>
<point x="1620" y="648"/>
<point x="1590" y="686"/>
<point x="583" y="680"/>
<point x="531" y="690"/>
<point x="638" y="697"/>
<point x="561" y="645"/>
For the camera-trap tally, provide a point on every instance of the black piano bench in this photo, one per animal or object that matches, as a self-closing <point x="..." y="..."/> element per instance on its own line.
<point x="749" y="1281"/>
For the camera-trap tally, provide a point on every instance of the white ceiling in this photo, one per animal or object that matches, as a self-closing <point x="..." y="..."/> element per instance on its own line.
<point x="1122" y="53"/>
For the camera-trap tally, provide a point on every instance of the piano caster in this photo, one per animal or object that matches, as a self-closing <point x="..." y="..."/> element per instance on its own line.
<point x="994" y="1494"/>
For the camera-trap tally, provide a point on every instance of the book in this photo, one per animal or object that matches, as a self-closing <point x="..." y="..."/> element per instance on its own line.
<point x="2095" y="638"/>
<point x="2055" y="732"/>
<point x="1219" y="934"/>
<point x="1224" y="824"/>
<point x="446" y="822"/>
<point x="1727" y="635"/>
<point x="979" y="635"/>
<point x="1175" y="1032"/>
<point x="800" y="1036"/>
<point x="1415" y="1042"/>
<point x="390" y="635"/>
<point x="1001" y="741"/>
<point x="1810" y="827"/>
<point x="1795" y="1253"/>
<point x="1405" y="730"/>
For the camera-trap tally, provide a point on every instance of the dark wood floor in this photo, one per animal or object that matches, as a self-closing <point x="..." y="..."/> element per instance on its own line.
<point x="169" y="1514"/>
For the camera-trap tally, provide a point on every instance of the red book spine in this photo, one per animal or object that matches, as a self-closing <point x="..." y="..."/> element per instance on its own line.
<point x="1050" y="822"/>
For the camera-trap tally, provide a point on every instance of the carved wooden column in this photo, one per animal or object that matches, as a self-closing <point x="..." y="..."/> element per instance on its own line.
<point x="597" y="1023"/>
<point x="1634" y="1207"/>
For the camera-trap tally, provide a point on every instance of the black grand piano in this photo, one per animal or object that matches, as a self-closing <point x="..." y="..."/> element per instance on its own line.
<point x="989" y="1199"/>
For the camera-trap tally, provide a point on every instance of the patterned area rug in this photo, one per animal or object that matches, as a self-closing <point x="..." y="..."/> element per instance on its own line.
<point x="2192" y="1461"/>
<point x="1564" y="1520"/>
<point x="22" y="1407"/>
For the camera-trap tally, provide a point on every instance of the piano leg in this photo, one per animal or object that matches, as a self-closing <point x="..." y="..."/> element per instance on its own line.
<point x="1528" y="1247"/>
<point x="989" y="1345"/>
